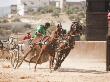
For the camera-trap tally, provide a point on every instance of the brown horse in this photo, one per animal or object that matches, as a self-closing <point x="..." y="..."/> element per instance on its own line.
<point x="65" y="47"/>
<point x="67" y="44"/>
<point x="43" y="47"/>
<point x="50" y="48"/>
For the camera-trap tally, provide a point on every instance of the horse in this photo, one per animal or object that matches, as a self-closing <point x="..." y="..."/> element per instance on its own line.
<point x="13" y="47"/>
<point x="66" y="44"/>
<point x="4" y="46"/>
<point x="42" y="47"/>
<point x="17" y="49"/>
<point x="50" y="48"/>
<point x="64" y="49"/>
<point x="76" y="29"/>
<point x="17" y="52"/>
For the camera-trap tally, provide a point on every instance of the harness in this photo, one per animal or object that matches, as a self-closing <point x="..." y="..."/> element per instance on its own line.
<point x="42" y="41"/>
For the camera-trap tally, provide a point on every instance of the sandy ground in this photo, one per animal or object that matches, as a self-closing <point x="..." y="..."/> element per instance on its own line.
<point x="79" y="66"/>
<point x="24" y="74"/>
<point x="85" y="63"/>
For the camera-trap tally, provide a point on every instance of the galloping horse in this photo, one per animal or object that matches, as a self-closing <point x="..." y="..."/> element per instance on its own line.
<point x="66" y="45"/>
<point x="7" y="45"/>
<point x="13" y="48"/>
<point x="50" y="47"/>
<point x="43" y="47"/>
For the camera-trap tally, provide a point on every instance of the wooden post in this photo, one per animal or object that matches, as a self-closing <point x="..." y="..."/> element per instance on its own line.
<point x="108" y="46"/>
<point x="108" y="54"/>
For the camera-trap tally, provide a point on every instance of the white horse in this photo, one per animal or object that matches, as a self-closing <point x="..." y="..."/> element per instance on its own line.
<point x="16" y="50"/>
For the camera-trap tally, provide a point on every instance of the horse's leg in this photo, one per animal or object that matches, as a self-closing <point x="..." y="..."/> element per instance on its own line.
<point x="32" y="56"/>
<point x="22" y="49"/>
<point x="2" y="52"/>
<point x="17" y="53"/>
<point x="24" y="58"/>
<point x="12" y="57"/>
<point x="40" y="54"/>
<point x="50" y="63"/>
<point x="57" y="65"/>
<point x="33" y="52"/>
<point x="53" y="57"/>
<point x="65" y="54"/>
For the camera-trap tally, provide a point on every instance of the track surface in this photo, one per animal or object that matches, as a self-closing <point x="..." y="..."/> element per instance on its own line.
<point x="85" y="63"/>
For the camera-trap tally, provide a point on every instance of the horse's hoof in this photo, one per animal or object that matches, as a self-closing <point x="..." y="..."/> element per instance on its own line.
<point x="34" y="70"/>
<point x="50" y="71"/>
<point x="14" y="67"/>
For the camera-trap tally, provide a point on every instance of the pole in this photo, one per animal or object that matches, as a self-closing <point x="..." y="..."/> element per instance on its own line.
<point x="108" y="46"/>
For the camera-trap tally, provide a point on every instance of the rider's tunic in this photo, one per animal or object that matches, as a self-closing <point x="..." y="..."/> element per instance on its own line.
<point x="40" y="29"/>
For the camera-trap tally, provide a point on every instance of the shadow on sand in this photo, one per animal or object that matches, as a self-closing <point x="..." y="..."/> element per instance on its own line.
<point x="81" y="70"/>
<point x="78" y="70"/>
